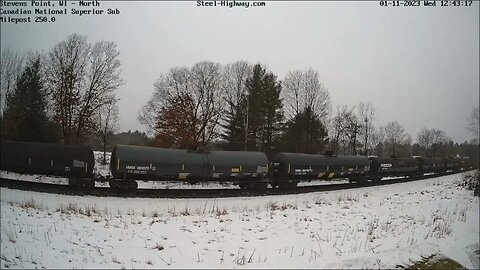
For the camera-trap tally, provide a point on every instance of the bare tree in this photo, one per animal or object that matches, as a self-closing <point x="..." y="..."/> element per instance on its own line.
<point x="82" y="78"/>
<point x="173" y="124"/>
<point x="345" y="127"/>
<point x="11" y="67"/>
<point x="208" y="99"/>
<point x="166" y="88"/>
<point x="432" y="139"/>
<point x="375" y="139"/>
<point x="235" y="94"/>
<point x="366" y="116"/>
<point x="292" y="94"/>
<point x="395" y="135"/>
<point x="302" y="89"/>
<point x="201" y="83"/>
<point x="474" y="124"/>
<point x="107" y="123"/>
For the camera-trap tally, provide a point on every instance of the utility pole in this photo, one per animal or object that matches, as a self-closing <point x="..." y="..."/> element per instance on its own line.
<point x="355" y="126"/>
<point x="246" y="128"/>
<point x="366" y="134"/>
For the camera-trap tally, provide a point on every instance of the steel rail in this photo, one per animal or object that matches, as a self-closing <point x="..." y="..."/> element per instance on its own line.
<point x="192" y="193"/>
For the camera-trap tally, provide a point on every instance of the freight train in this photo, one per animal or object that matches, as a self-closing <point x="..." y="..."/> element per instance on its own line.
<point x="248" y="170"/>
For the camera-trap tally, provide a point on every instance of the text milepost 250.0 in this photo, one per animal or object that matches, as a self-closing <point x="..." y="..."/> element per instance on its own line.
<point x="17" y="12"/>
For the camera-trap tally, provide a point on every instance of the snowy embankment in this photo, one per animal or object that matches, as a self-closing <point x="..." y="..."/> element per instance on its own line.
<point x="369" y="227"/>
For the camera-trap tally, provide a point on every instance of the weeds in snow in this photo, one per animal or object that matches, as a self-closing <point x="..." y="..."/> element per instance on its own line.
<point x="242" y="260"/>
<point x="441" y="224"/>
<point x="30" y="204"/>
<point x="272" y="206"/>
<point x="186" y="211"/>
<point x="347" y="197"/>
<point x="158" y="247"/>
<point x="115" y="260"/>
<point x="221" y="212"/>
<point x="11" y="234"/>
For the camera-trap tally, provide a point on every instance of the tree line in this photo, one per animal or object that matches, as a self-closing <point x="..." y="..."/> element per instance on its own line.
<point x="66" y="95"/>
<point x="243" y="106"/>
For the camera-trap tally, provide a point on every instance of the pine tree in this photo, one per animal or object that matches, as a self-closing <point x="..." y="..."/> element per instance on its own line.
<point x="25" y="118"/>
<point x="254" y="109"/>
<point x="264" y="110"/>
<point x="272" y="111"/>
<point x="305" y="133"/>
<point x="235" y="127"/>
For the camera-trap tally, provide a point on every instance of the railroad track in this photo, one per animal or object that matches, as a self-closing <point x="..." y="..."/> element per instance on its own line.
<point x="190" y="193"/>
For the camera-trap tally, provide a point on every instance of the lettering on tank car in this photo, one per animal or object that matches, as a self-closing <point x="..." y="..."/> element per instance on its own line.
<point x="140" y="168"/>
<point x="137" y="169"/>
<point x="136" y="172"/>
<point x="386" y="166"/>
<point x="303" y="171"/>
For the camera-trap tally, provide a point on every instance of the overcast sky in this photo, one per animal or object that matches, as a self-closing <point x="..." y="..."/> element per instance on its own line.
<point x="417" y="65"/>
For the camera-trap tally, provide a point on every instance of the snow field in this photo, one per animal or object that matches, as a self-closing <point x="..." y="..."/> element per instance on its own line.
<point x="369" y="227"/>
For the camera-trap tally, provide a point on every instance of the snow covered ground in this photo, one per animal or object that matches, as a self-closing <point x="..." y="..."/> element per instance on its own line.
<point x="369" y="227"/>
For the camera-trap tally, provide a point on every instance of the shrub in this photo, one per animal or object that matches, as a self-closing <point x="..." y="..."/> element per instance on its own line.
<point x="471" y="181"/>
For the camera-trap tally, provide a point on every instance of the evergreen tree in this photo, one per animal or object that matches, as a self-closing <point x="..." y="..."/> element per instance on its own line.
<point x="235" y="127"/>
<point x="254" y="109"/>
<point x="272" y="112"/>
<point x="25" y="118"/>
<point x="264" y="110"/>
<point x="305" y="133"/>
